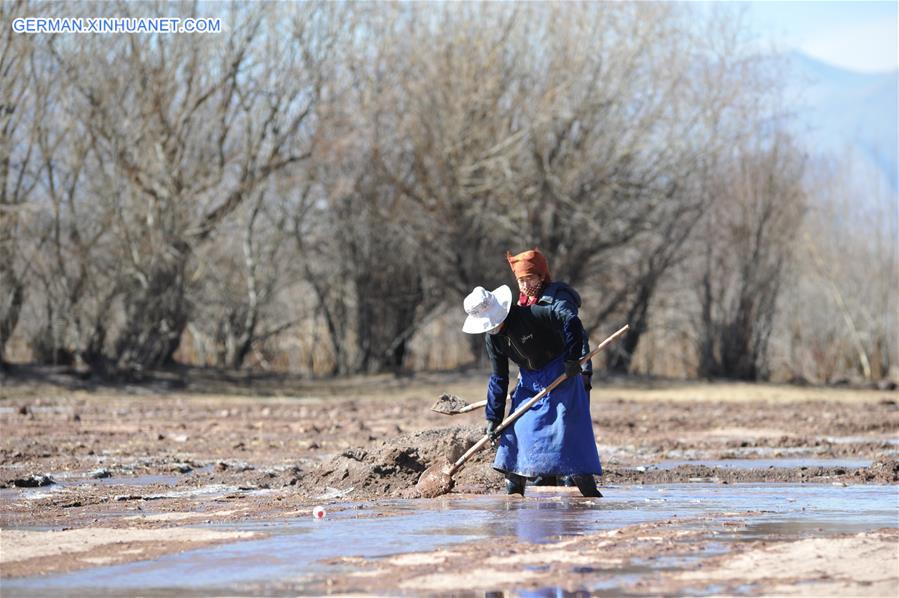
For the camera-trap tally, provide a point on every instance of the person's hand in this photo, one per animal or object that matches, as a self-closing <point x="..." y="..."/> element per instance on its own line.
<point x="587" y="381"/>
<point x="572" y="368"/>
<point x="490" y="430"/>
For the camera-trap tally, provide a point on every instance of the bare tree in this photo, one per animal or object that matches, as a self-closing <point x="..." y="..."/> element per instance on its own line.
<point x="513" y="136"/>
<point x="846" y="272"/>
<point x="236" y="308"/>
<point x="187" y="129"/>
<point x="21" y="108"/>
<point x="344" y="173"/>
<point x="749" y="238"/>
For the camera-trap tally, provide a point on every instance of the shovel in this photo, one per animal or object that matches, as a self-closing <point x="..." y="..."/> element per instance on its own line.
<point x="438" y="479"/>
<point x="453" y="405"/>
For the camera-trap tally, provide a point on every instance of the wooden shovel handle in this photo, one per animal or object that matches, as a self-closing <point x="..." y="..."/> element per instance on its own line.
<point x="473" y="406"/>
<point x="531" y="402"/>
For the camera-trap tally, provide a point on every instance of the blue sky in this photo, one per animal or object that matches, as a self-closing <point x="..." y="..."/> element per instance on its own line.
<point x="859" y="36"/>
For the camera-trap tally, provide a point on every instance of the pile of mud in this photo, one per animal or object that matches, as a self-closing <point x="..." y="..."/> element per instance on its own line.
<point x="393" y="467"/>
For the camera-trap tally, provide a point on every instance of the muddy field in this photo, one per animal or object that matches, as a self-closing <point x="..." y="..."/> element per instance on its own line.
<point x="98" y="476"/>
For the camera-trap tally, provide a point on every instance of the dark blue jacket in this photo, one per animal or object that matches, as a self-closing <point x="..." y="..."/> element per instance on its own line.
<point x="532" y="337"/>
<point x="566" y="298"/>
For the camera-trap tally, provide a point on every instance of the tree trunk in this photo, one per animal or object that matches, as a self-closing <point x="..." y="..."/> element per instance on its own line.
<point x="156" y="316"/>
<point x="10" y="317"/>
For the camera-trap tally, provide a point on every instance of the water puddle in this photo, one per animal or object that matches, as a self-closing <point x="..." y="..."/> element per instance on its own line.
<point x="70" y="482"/>
<point x="80" y="479"/>
<point x="743" y="464"/>
<point x="294" y="552"/>
<point x="208" y="491"/>
<point x="752" y="452"/>
<point x="11" y="495"/>
<point x="6" y="410"/>
<point x="63" y="482"/>
<point x="888" y="440"/>
<point x="140" y="480"/>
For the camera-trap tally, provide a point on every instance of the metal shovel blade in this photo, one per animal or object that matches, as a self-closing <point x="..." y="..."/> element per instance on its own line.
<point x="448" y="404"/>
<point x="452" y="405"/>
<point x="435" y="481"/>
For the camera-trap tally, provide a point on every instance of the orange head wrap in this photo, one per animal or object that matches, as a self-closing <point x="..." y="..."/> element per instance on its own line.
<point x="529" y="262"/>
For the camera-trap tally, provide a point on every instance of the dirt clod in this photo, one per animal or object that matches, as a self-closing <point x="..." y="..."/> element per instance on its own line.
<point x="32" y="481"/>
<point x="449" y="404"/>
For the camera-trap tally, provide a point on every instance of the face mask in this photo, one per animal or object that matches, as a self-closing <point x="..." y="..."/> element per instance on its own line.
<point x="531" y="289"/>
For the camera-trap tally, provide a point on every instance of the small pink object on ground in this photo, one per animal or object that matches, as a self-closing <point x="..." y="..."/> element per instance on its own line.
<point x="318" y="513"/>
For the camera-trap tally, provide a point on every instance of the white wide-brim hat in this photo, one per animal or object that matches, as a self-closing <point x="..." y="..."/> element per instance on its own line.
<point x="486" y="310"/>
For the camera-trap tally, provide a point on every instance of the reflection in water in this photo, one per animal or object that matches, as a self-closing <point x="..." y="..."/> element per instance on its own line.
<point x="543" y="521"/>
<point x="784" y="530"/>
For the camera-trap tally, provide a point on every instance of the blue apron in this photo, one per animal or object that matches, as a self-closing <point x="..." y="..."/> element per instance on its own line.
<point x="555" y="436"/>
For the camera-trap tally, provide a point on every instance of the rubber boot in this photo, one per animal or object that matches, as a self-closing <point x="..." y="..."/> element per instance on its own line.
<point x="587" y="485"/>
<point x="514" y="484"/>
<point x="546" y="480"/>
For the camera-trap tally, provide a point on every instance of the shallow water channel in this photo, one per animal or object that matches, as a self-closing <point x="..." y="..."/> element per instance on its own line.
<point x="291" y="557"/>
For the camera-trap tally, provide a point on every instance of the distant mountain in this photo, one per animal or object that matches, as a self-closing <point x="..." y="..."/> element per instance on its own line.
<point x="842" y="111"/>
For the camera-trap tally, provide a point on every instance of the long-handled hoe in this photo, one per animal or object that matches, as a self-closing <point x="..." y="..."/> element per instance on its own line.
<point x="438" y="479"/>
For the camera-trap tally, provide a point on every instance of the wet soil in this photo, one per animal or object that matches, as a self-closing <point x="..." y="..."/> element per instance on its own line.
<point x="141" y="459"/>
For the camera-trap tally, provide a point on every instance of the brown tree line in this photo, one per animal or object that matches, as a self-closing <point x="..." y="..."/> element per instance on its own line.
<point x="318" y="186"/>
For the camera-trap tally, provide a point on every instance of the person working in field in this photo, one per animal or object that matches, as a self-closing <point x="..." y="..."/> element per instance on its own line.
<point x="536" y="287"/>
<point x="555" y="436"/>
